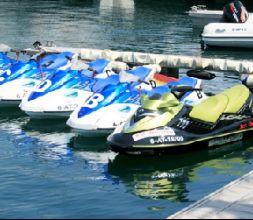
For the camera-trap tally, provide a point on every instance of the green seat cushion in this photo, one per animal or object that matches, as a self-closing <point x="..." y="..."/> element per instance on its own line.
<point x="229" y="101"/>
<point x="237" y="96"/>
<point x="210" y="109"/>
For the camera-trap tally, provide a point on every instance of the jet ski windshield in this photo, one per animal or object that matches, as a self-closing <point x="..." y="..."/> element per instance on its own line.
<point x="156" y="111"/>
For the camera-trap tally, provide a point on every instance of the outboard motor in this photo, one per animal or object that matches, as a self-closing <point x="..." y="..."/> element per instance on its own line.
<point x="235" y="12"/>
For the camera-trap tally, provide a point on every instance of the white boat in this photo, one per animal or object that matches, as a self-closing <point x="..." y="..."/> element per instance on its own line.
<point x="221" y="34"/>
<point x="228" y="34"/>
<point x="201" y="16"/>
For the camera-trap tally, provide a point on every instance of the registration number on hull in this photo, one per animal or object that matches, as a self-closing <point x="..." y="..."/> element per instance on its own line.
<point x="225" y="140"/>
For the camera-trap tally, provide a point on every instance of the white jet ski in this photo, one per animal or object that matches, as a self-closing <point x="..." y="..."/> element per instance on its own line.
<point x="105" y="111"/>
<point x="22" y="77"/>
<point x="58" y="96"/>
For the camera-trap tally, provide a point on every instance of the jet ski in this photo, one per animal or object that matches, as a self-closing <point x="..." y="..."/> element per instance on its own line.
<point x="5" y="62"/>
<point x="118" y="100"/>
<point x="60" y="94"/>
<point x="163" y="124"/>
<point x="103" y="112"/>
<point x="23" y="76"/>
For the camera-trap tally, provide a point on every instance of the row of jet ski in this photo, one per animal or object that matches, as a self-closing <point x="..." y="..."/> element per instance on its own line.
<point x="102" y="99"/>
<point x="141" y="110"/>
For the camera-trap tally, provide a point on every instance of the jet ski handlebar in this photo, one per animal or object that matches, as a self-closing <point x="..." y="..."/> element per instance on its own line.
<point x="150" y="82"/>
<point x="180" y="90"/>
<point x="184" y="88"/>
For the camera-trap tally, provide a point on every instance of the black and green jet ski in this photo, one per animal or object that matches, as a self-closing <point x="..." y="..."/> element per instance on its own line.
<point x="162" y="124"/>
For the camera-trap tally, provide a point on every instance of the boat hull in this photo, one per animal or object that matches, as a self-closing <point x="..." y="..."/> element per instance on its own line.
<point x="228" y="42"/>
<point x="228" y="35"/>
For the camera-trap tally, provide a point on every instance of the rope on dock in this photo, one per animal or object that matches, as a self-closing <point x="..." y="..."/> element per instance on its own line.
<point x="168" y="61"/>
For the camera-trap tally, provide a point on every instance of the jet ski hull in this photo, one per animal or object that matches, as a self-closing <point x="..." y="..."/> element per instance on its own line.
<point x="218" y="120"/>
<point x="103" y="121"/>
<point x="48" y="115"/>
<point x="12" y="93"/>
<point x="92" y="133"/>
<point x="160" y="141"/>
<point x="57" y="104"/>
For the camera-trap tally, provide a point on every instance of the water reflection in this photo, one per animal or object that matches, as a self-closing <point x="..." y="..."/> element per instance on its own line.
<point x="7" y="113"/>
<point x="92" y="150"/>
<point x="55" y="141"/>
<point x="78" y="3"/>
<point x="51" y="138"/>
<point x="168" y="177"/>
<point x="47" y="140"/>
<point x="94" y="144"/>
<point x="47" y="125"/>
<point x="228" y="53"/>
<point x="117" y="4"/>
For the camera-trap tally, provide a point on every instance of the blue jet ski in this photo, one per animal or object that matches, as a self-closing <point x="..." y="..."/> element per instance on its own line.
<point x="61" y="93"/>
<point x="23" y="76"/>
<point x="104" y="111"/>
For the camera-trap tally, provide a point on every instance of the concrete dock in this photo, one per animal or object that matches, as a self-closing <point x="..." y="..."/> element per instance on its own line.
<point x="233" y="201"/>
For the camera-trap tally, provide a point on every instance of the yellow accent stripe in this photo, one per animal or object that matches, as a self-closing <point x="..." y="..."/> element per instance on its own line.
<point x="190" y="142"/>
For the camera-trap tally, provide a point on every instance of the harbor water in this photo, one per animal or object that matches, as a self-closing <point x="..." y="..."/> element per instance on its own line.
<point x="48" y="171"/>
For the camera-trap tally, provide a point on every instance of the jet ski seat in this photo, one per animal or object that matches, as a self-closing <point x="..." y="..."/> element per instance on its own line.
<point x="54" y="61"/>
<point x="100" y="84"/>
<point x="186" y="80"/>
<point x="141" y="72"/>
<point x="99" y="65"/>
<point x="229" y="101"/>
